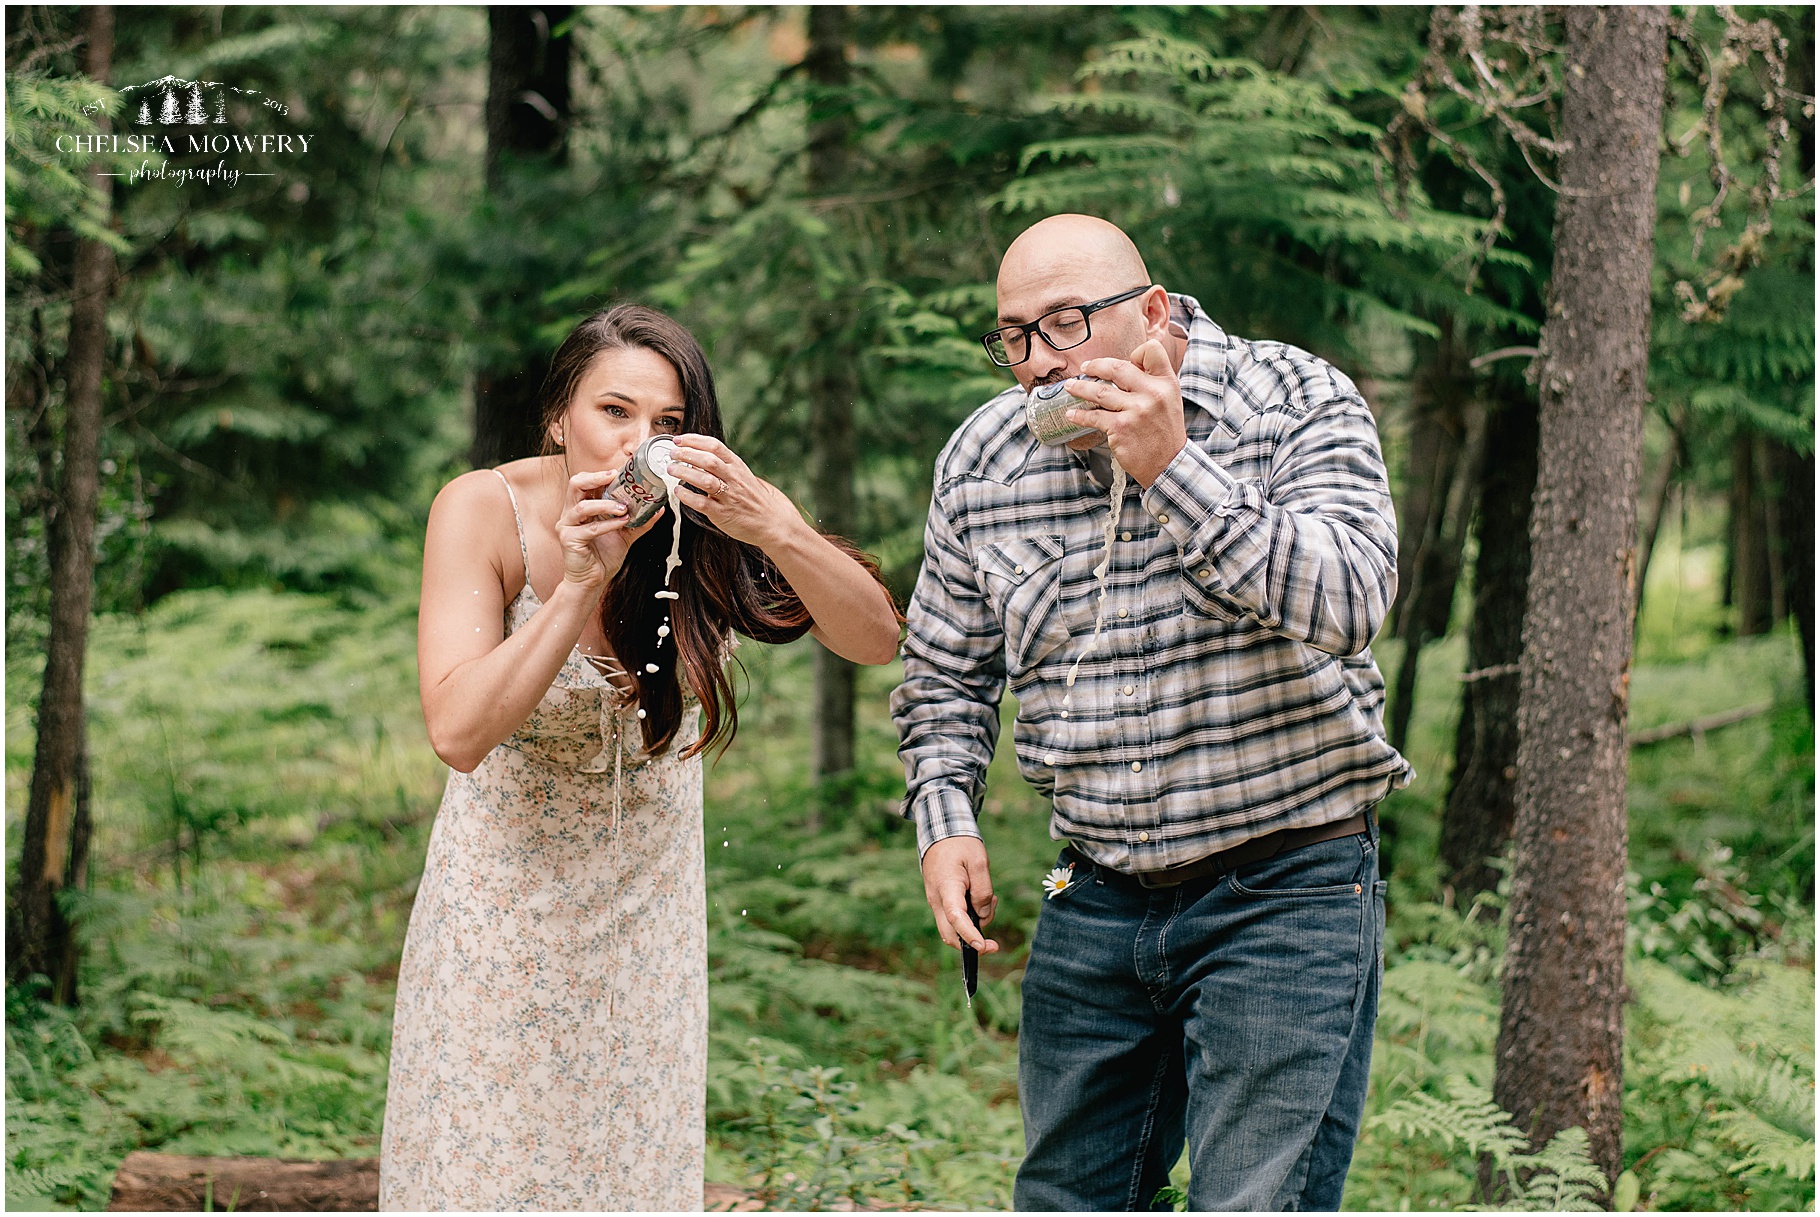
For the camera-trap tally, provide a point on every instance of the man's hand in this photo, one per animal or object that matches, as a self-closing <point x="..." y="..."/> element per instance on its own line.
<point x="1140" y="410"/>
<point x="954" y="871"/>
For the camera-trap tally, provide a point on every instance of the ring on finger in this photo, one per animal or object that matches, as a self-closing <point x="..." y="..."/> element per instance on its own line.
<point x="720" y="484"/>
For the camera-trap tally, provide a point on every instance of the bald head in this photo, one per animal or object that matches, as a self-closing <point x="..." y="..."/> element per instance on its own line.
<point x="1076" y="260"/>
<point x="1077" y="246"/>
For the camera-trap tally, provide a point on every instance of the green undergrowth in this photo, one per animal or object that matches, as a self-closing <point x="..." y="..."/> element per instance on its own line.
<point x="263" y="797"/>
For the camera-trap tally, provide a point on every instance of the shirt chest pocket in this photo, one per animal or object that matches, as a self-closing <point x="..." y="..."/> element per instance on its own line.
<point x="1022" y="580"/>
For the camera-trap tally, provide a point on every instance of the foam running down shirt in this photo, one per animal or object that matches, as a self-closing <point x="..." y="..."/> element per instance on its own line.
<point x="1232" y="692"/>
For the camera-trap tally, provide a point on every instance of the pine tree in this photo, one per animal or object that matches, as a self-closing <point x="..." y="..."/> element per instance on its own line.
<point x="145" y="113"/>
<point x="527" y="114"/>
<point x="1256" y="190"/>
<point x="1560" y="1038"/>
<point x="41" y="939"/>
<point x="831" y="436"/>
<point x="1733" y="340"/>
<point x="168" y="112"/>
<point x="194" y="116"/>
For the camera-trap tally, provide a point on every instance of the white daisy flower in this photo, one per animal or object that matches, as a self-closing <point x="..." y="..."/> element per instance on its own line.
<point x="1057" y="880"/>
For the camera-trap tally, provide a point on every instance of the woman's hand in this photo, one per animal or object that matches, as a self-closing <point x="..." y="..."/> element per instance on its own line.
<point x="715" y="482"/>
<point x="852" y="612"/>
<point x="593" y="532"/>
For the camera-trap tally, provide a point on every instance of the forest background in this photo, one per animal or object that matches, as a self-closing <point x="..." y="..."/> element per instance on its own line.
<point x="289" y="368"/>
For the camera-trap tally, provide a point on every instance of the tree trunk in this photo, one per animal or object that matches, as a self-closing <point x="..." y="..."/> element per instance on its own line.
<point x="1770" y="492"/>
<point x="1449" y="435"/>
<point x="54" y="857"/>
<point x="1663" y="482"/>
<point x="1560" y="1039"/>
<point x="1797" y="469"/>
<point x="832" y="391"/>
<point x="1437" y="438"/>
<point x="527" y="84"/>
<point x="507" y="406"/>
<point x="1481" y="797"/>
<point x="527" y="117"/>
<point x="1427" y="474"/>
<point x="1437" y="567"/>
<point x="1749" y="564"/>
<point x="1798" y="516"/>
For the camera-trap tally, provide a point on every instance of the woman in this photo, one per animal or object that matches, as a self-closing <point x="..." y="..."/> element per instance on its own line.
<point x="550" y="1038"/>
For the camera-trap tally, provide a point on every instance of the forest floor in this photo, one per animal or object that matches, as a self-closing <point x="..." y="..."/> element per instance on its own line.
<point x="263" y="799"/>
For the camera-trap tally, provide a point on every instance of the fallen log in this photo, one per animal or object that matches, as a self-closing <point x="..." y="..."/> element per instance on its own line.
<point x="1697" y="727"/>
<point x="170" y="1183"/>
<point x="725" y="1198"/>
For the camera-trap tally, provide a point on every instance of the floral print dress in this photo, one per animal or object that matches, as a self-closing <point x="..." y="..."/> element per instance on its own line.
<point x="549" y="1044"/>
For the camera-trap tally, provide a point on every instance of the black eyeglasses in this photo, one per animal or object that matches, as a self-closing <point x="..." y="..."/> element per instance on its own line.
<point x="1063" y="329"/>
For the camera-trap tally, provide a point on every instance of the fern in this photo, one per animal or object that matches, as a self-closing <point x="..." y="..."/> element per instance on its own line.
<point x="43" y="188"/>
<point x="1765" y="1146"/>
<point x="810" y="1148"/>
<point x="1560" y="1177"/>
<point x="1252" y="176"/>
<point x="1722" y="1085"/>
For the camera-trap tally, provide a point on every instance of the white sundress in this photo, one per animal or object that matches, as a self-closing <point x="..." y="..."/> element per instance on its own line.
<point x="549" y="1043"/>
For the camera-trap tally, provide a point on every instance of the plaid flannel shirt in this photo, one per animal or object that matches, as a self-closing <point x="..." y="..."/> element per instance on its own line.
<point x="1232" y="692"/>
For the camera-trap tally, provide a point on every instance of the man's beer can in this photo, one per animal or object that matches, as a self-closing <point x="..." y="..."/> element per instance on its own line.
<point x="1046" y="411"/>
<point x="640" y="485"/>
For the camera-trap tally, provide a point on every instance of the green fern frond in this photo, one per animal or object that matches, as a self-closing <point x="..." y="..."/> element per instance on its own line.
<point x="1101" y="151"/>
<point x="1169" y="56"/>
<point x="1163" y="112"/>
<point x="1764" y="1146"/>
<point x="1562" y="1176"/>
<point x="42" y="187"/>
<point x="1469" y="1119"/>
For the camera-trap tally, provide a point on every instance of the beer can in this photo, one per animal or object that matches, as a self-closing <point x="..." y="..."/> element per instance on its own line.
<point x="1046" y="412"/>
<point x="640" y="485"/>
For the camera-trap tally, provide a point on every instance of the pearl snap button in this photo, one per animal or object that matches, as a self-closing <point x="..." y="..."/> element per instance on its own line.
<point x="1124" y="612"/>
<point x="1205" y="574"/>
<point x="1163" y="518"/>
<point x="1018" y="569"/>
<point x="1124" y="536"/>
<point x="1143" y="836"/>
<point x="1137" y="766"/>
<point x="1130" y="689"/>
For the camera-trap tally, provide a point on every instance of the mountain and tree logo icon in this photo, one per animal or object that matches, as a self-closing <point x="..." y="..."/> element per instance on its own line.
<point x="171" y="101"/>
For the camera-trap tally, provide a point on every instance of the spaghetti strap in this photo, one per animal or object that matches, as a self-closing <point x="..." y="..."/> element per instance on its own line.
<point x="524" y="555"/>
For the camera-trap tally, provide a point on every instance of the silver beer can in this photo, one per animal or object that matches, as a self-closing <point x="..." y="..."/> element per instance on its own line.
<point x="640" y="485"/>
<point x="1046" y="412"/>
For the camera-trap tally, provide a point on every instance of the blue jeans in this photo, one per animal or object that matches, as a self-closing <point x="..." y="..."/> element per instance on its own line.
<point x="1235" y="1012"/>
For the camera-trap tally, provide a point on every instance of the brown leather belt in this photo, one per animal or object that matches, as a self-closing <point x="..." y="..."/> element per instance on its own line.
<point x="1255" y="850"/>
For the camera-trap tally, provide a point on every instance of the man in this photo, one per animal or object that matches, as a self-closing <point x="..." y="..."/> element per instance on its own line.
<point x="1206" y="967"/>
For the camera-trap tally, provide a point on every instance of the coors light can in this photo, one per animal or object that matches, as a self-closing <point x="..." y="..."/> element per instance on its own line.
<point x="1046" y="411"/>
<point x="640" y="485"/>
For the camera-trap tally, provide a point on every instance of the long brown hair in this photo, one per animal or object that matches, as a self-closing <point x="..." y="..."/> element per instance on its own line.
<point x="725" y="585"/>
